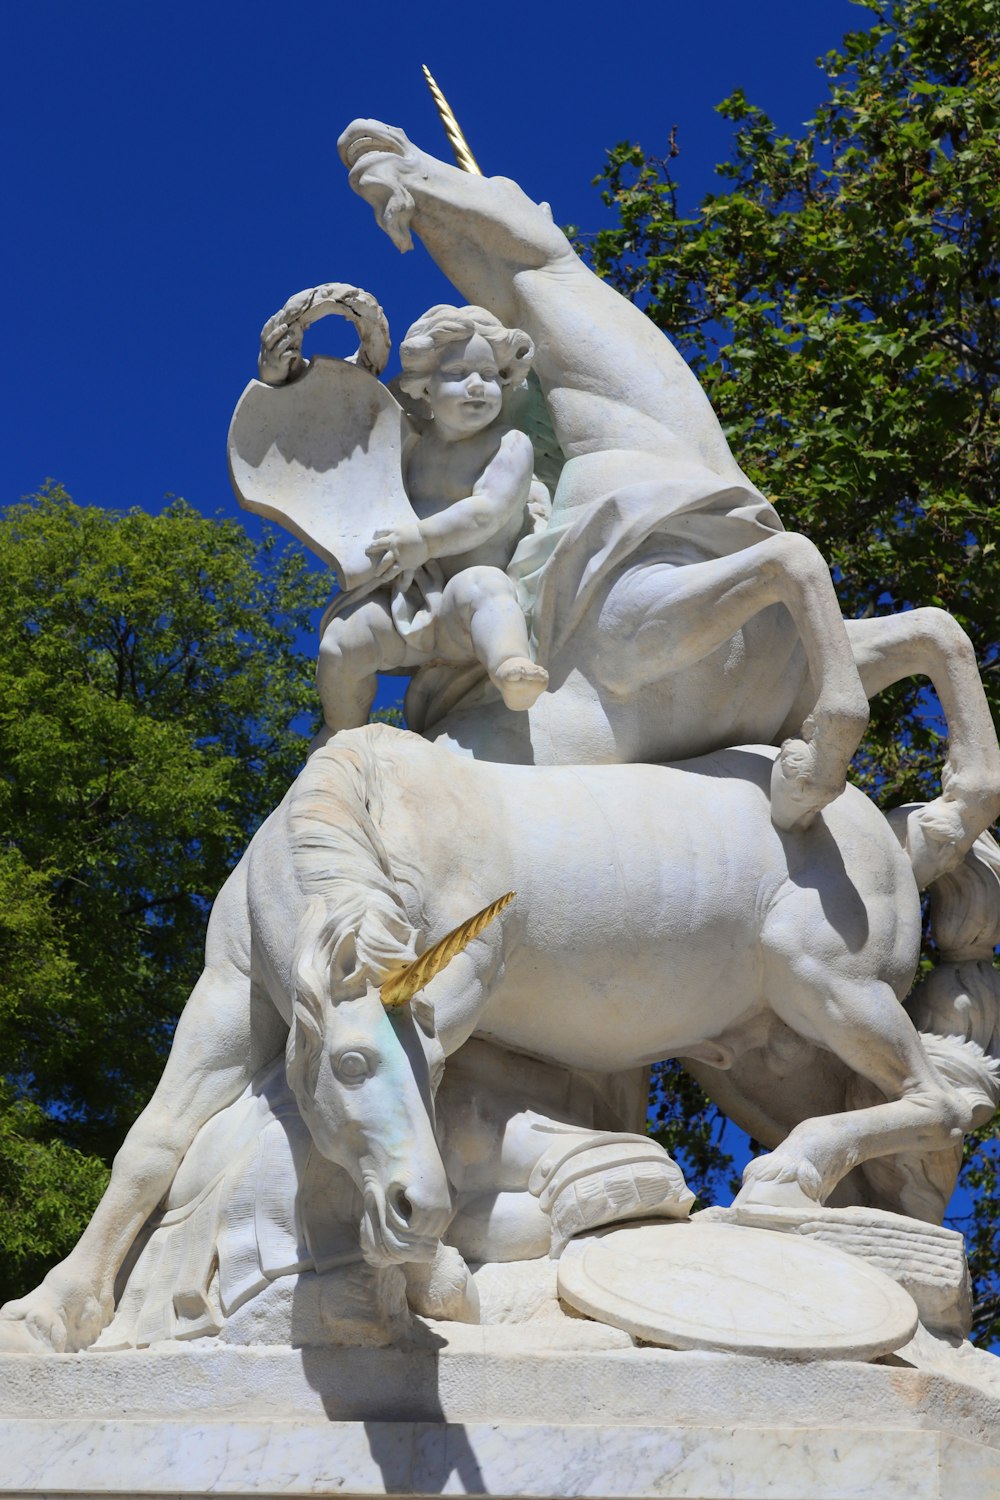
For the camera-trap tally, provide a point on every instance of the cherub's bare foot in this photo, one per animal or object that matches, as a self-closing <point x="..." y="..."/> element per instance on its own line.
<point x="520" y="682"/>
<point x="802" y="784"/>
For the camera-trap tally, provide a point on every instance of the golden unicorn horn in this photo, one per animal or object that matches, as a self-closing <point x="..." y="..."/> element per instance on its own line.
<point x="403" y="982"/>
<point x="463" y="156"/>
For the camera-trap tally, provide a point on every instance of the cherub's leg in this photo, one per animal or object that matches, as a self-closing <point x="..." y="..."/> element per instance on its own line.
<point x="929" y="643"/>
<point x="356" y="646"/>
<point x="663" y="617"/>
<point x="483" y="601"/>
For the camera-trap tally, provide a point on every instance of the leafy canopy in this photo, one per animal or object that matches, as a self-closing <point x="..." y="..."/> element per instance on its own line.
<point x="151" y="708"/>
<point x="839" y="299"/>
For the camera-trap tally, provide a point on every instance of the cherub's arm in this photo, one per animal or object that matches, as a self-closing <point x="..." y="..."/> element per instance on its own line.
<point x="500" y="493"/>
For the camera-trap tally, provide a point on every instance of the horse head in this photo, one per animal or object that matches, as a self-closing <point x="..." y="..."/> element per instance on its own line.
<point x="364" y="1077"/>
<point x="379" y="158"/>
<point x="364" y="1064"/>
<point x="481" y="231"/>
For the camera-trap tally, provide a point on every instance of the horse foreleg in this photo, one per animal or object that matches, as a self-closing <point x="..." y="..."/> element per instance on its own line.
<point x="929" y="643"/>
<point x="864" y="1025"/>
<point x="663" y="617"/>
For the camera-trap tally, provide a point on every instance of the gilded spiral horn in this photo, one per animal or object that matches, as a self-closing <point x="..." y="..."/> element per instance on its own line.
<point x="403" y="982"/>
<point x="459" y="145"/>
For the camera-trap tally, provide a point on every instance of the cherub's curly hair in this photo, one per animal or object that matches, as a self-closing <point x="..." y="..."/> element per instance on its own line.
<point x="444" y="325"/>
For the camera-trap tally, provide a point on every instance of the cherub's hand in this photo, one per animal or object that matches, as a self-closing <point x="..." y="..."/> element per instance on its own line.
<point x="397" y="549"/>
<point x="281" y="356"/>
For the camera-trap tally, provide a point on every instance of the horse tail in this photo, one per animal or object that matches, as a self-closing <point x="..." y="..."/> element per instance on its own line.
<point x="355" y="928"/>
<point x="956" y="1010"/>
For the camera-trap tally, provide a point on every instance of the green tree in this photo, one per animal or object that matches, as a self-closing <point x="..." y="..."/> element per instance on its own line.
<point x="839" y="299"/>
<point x="152" y="707"/>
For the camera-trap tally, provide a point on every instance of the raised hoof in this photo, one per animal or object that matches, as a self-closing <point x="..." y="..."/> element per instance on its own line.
<point x="934" y="836"/>
<point x="783" y="1178"/>
<point x="798" y="792"/>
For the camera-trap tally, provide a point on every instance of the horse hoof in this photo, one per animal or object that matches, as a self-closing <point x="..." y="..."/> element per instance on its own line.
<point x="934" y="837"/>
<point x="773" y="1194"/>
<point x="796" y="797"/>
<point x="17" y="1338"/>
<point x="783" y="1178"/>
<point x="442" y="1288"/>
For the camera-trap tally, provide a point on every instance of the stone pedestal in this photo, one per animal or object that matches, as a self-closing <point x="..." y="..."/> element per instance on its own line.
<point x="492" y="1411"/>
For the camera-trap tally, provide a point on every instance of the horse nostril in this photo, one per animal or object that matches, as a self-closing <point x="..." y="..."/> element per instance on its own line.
<point x="400" y="1203"/>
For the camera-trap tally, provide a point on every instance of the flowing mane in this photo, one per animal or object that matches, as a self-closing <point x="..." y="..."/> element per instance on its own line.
<point x="355" y="928"/>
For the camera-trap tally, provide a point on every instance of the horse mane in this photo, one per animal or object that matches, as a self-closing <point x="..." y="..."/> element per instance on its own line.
<point x="355" y="928"/>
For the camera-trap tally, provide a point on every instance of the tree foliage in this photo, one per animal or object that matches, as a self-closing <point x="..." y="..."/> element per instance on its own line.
<point x="151" y="708"/>
<point x="839" y="299"/>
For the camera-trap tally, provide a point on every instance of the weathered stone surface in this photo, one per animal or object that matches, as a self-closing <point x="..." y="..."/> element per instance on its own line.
<point x="474" y="1416"/>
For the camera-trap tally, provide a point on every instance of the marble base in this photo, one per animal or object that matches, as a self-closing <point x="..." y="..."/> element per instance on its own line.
<point x="267" y="1459"/>
<point x="490" y="1411"/>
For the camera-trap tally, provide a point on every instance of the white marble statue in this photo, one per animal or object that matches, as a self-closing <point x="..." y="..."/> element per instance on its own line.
<point x="661" y="590"/>
<point x="689" y="925"/>
<point x="637" y="702"/>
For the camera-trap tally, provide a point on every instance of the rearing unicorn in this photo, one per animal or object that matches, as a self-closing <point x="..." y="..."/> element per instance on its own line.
<point x="660" y="593"/>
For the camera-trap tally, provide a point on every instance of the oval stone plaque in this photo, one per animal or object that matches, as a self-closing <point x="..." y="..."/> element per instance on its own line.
<point x="732" y="1288"/>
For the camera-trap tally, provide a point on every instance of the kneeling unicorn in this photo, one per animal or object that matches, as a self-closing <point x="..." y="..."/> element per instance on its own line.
<point x="660" y="913"/>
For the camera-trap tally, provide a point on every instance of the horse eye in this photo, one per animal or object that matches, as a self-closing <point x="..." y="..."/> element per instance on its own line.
<point x="352" y="1067"/>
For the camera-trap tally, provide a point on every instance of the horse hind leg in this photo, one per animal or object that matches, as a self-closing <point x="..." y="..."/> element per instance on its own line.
<point x="663" y="617"/>
<point x="862" y="1023"/>
<point x="930" y="643"/>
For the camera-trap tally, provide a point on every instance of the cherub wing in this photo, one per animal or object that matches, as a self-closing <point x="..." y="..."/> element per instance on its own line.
<point x="526" y="408"/>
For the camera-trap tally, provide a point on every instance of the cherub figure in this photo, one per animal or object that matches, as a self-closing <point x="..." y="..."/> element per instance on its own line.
<point x="469" y="479"/>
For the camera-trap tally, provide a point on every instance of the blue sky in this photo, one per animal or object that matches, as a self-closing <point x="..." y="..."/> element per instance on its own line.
<point x="173" y="177"/>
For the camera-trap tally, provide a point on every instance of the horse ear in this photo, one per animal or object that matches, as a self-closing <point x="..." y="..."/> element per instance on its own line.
<point x="344" y="959"/>
<point x="423" y="1013"/>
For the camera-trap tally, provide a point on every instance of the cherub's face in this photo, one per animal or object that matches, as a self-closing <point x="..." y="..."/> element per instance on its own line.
<point x="465" y="391"/>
